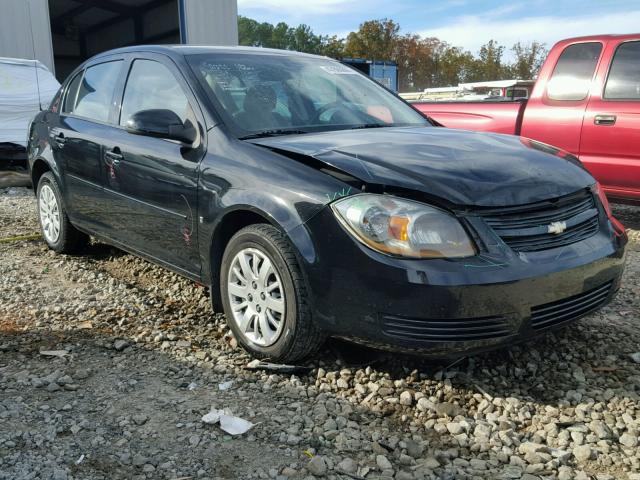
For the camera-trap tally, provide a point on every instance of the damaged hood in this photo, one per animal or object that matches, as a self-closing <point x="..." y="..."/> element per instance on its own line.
<point x="461" y="167"/>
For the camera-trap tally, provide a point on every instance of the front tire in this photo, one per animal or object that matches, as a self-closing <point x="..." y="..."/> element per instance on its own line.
<point x="265" y="296"/>
<point x="58" y="233"/>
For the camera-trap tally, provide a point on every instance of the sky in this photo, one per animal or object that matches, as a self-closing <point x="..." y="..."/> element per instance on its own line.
<point x="464" y="23"/>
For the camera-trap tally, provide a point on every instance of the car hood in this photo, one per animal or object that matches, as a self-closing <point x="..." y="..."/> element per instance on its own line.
<point x="460" y="167"/>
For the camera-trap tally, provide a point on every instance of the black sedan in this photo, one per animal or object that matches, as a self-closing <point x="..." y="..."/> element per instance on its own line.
<point x="314" y="202"/>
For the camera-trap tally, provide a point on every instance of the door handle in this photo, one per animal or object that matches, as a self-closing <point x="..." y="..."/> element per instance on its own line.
<point x="114" y="155"/>
<point x="59" y="139"/>
<point x="604" y="120"/>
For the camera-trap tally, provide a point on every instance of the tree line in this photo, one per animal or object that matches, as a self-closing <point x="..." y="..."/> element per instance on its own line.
<point x="423" y="62"/>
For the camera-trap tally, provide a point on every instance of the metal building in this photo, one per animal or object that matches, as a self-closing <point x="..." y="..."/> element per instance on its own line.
<point x="64" y="33"/>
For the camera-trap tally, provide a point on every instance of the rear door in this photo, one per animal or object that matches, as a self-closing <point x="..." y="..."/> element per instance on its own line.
<point x="76" y="138"/>
<point x="152" y="182"/>
<point x="554" y="115"/>
<point x="610" y="145"/>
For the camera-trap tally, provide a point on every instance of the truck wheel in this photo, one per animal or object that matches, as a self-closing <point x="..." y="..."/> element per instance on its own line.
<point x="57" y="230"/>
<point x="265" y="296"/>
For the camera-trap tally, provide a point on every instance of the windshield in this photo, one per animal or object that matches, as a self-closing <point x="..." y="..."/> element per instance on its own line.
<point x="265" y="94"/>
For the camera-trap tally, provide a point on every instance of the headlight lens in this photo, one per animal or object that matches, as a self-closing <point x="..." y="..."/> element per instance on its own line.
<point x="402" y="227"/>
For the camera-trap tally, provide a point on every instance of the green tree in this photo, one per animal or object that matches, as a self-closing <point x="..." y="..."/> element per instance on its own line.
<point x="453" y="65"/>
<point x="304" y="40"/>
<point x="254" y="34"/>
<point x="280" y="36"/>
<point x="423" y="62"/>
<point x="332" y="46"/>
<point x="374" y="40"/>
<point x="528" y="59"/>
<point x="488" y="66"/>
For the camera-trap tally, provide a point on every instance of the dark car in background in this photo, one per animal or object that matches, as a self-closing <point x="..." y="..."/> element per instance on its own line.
<point x="314" y="202"/>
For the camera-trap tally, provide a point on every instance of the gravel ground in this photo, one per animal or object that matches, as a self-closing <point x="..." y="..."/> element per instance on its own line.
<point x="146" y="357"/>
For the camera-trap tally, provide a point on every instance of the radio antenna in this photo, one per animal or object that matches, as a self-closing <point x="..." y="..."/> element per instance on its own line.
<point x="33" y="48"/>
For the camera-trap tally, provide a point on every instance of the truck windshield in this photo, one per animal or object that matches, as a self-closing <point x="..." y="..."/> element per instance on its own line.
<point x="274" y="94"/>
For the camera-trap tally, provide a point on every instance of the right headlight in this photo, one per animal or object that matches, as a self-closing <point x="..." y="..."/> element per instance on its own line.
<point x="396" y="226"/>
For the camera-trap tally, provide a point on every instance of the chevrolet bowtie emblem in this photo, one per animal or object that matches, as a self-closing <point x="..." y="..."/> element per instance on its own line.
<point x="557" y="227"/>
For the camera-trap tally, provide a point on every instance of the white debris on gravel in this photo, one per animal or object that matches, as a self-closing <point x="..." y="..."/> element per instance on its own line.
<point x="564" y="407"/>
<point x="234" y="425"/>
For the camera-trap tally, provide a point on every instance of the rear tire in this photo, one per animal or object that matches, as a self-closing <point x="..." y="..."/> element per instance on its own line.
<point x="58" y="233"/>
<point x="265" y="296"/>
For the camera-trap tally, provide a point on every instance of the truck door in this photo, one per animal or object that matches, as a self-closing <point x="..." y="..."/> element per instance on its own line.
<point x="555" y="111"/>
<point x="610" y="144"/>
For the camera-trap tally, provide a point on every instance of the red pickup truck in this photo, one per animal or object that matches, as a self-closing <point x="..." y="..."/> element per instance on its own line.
<point x="586" y="101"/>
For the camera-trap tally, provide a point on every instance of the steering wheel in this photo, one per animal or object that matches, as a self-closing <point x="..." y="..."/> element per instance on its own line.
<point x="337" y="106"/>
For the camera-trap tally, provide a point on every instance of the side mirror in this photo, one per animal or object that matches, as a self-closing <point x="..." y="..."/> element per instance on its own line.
<point x="161" y="123"/>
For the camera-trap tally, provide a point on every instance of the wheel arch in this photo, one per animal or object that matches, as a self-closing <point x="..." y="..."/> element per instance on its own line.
<point x="39" y="168"/>
<point x="229" y="224"/>
<point x="235" y="220"/>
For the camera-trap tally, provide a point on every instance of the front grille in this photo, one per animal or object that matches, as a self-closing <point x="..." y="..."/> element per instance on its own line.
<point x="526" y="228"/>
<point x="441" y="330"/>
<point x="567" y="309"/>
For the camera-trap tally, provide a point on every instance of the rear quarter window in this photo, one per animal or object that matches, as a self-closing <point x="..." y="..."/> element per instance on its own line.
<point x="72" y="93"/>
<point x="623" y="82"/>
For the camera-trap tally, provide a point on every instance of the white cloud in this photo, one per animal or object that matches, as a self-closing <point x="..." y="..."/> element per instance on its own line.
<point x="295" y="8"/>
<point x="471" y="32"/>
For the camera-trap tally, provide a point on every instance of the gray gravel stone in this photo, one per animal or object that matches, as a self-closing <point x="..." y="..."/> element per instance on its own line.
<point x="629" y="440"/>
<point x="583" y="453"/>
<point x="383" y="462"/>
<point x="317" y="466"/>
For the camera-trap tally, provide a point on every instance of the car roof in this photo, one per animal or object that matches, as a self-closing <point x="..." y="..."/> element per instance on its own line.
<point x="183" y="50"/>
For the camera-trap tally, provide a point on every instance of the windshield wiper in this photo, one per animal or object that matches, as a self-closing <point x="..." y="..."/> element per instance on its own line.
<point x="369" y="125"/>
<point x="272" y="133"/>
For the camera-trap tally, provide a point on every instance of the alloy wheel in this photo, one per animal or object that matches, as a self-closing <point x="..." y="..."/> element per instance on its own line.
<point x="256" y="296"/>
<point x="49" y="214"/>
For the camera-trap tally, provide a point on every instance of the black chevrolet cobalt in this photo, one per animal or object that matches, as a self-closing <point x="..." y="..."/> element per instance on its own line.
<point x="316" y="203"/>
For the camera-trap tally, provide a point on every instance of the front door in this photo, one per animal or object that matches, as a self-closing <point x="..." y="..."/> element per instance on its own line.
<point x="610" y="144"/>
<point x="152" y="182"/>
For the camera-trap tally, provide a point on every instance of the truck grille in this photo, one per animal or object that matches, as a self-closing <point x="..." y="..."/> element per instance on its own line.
<point x="555" y="313"/>
<point x="526" y="228"/>
<point x="442" y="330"/>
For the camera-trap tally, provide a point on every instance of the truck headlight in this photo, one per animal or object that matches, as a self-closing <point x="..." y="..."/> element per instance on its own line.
<point x="396" y="226"/>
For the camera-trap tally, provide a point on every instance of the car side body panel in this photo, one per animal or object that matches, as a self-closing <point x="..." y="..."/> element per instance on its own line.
<point x="238" y="176"/>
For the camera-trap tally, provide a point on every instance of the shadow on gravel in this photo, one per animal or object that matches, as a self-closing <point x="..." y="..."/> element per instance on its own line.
<point x="629" y="215"/>
<point x="101" y="251"/>
<point x="556" y="367"/>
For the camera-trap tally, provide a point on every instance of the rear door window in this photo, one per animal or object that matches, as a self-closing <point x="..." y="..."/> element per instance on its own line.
<point x="571" y="79"/>
<point x="624" y="76"/>
<point x="95" y="94"/>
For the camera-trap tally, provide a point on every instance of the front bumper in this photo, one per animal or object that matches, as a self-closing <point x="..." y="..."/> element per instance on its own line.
<point x="448" y="308"/>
